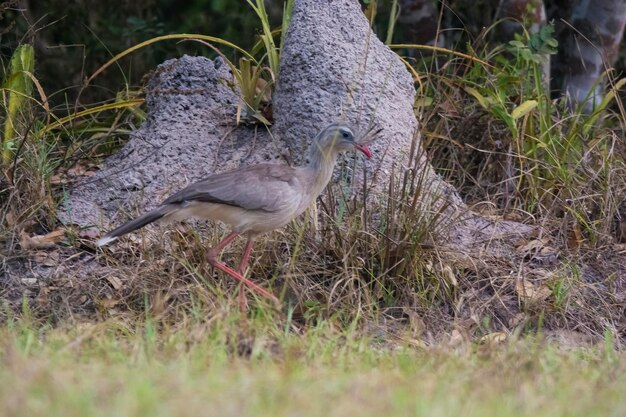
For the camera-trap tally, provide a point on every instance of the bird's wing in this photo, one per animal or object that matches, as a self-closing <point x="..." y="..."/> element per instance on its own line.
<point x="266" y="187"/>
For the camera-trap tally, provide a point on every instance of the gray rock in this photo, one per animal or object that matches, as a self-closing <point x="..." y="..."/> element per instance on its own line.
<point x="333" y="67"/>
<point x="189" y="134"/>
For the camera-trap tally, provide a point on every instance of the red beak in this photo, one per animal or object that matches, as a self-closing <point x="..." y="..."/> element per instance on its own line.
<point x="365" y="150"/>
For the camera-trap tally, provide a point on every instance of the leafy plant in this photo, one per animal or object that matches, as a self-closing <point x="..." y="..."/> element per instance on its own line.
<point x="273" y="55"/>
<point x="255" y="90"/>
<point x="537" y="47"/>
<point x="287" y="11"/>
<point x="16" y="91"/>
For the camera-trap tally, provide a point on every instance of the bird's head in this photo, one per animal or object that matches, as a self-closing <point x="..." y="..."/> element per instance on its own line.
<point x="338" y="138"/>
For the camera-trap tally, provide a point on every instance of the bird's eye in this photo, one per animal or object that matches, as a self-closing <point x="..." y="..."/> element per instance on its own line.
<point x="345" y="135"/>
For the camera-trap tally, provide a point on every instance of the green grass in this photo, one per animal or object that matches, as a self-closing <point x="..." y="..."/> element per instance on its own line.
<point x="108" y="369"/>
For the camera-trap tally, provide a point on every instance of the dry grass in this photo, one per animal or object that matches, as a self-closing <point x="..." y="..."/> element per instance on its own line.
<point x="382" y="278"/>
<point x="370" y="266"/>
<point x="342" y="273"/>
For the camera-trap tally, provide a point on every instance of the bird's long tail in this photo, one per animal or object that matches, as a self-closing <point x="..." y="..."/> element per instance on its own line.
<point x="135" y="224"/>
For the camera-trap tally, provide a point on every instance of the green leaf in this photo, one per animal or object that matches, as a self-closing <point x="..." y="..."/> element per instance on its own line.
<point x="482" y="100"/>
<point x="608" y="98"/>
<point x="19" y="86"/>
<point x="501" y="113"/>
<point x="523" y="109"/>
<point x="423" y="102"/>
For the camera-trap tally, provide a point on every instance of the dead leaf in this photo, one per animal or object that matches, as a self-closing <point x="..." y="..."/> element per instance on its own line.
<point x="46" y="258"/>
<point x="42" y="297"/>
<point x="10" y="219"/>
<point x="115" y="282"/>
<point x="108" y="303"/>
<point x="529" y="292"/>
<point x="449" y="276"/>
<point x="261" y="86"/>
<point x="575" y="237"/>
<point x="494" y="338"/>
<point x="514" y="216"/>
<point x="416" y="343"/>
<point x="516" y="320"/>
<point x="79" y="170"/>
<point x="57" y="179"/>
<point x="48" y="240"/>
<point x="539" y="250"/>
<point x="456" y="339"/>
<point x="532" y="245"/>
<point x="449" y="107"/>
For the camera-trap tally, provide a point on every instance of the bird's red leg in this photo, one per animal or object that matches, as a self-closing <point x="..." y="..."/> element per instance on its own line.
<point x="243" y="303"/>
<point x="214" y="252"/>
<point x="246" y="255"/>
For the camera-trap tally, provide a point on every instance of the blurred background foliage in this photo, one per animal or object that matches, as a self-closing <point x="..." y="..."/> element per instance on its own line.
<point x="72" y="39"/>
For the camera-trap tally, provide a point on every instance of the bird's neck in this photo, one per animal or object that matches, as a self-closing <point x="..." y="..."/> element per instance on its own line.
<point x="320" y="167"/>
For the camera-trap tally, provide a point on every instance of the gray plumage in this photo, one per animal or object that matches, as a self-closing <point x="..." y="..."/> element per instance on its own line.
<point x="258" y="198"/>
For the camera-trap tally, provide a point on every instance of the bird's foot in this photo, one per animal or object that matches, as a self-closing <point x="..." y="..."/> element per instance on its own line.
<point x="239" y="277"/>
